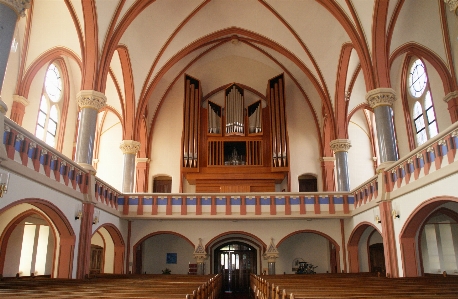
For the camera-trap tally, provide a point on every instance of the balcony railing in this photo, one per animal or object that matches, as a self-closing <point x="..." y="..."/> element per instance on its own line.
<point x="402" y="176"/>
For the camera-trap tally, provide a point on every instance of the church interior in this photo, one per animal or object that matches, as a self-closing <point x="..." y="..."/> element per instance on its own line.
<point x="229" y="137"/>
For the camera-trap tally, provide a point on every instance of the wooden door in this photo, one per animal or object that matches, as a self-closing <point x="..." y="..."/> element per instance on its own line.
<point x="96" y="259"/>
<point x="377" y="258"/>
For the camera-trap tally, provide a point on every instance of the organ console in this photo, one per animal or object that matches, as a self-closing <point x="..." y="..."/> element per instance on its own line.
<point x="233" y="147"/>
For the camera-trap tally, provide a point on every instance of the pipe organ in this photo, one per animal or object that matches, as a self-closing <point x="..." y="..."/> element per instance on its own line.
<point x="191" y="123"/>
<point x="232" y="146"/>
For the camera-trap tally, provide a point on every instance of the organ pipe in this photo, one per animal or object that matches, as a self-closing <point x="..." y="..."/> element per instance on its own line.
<point x="279" y="138"/>
<point x="234" y="111"/>
<point x="191" y="122"/>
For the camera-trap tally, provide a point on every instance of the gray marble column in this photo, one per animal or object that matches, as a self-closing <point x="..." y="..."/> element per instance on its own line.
<point x="380" y="100"/>
<point x="90" y="102"/>
<point x="340" y="148"/>
<point x="129" y="149"/>
<point x="10" y="11"/>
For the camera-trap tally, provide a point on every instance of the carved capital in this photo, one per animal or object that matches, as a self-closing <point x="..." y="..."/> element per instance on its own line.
<point x="452" y="4"/>
<point x="19" y="6"/>
<point x="381" y="97"/>
<point x="340" y="145"/>
<point x="91" y="99"/>
<point x="129" y="147"/>
<point x="20" y="99"/>
<point x="199" y="253"/>
<point x="271" y="253"/>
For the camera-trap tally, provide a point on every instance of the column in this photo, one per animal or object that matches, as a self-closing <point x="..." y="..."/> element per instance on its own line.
<point x="380" y="100"/>
<point x="129" y="149"/>
<point x="90" y="102"/>
<point x="389" y="241"/>
<point x="200" y="255"/>
<point x="10" y="11"/>
<point x="18" y="109"/>
<point x="271" y="256"/>
<point x="340" y="148"/>
<point x="452" y="102"/>
<point x="84" y="244"/>
<point x="327" y="172"/>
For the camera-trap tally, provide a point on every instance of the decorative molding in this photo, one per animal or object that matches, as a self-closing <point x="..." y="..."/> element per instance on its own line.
<point x="199" y="253"/>
<point x="327" y="159"/>
<point x="143" y="160"/>
<point x="3" y="107"/>
<point x="91" y="99"/>
<point x="340" y="145"/>
<point x="20" y="99"/>
<point x="451" y="95"/>
<point x="419" y="156"/>
<point x="20" y="137"/>
<point x="130" y="147"/>
<point x="430" y="149"/>
<point x="19" y="6"/>
<point x="381" y="97"/>
<point x="452" y="4"/>
<point x="271" y="253"/>
<point x="454" y="133"/>
<point x="441" y="142"/>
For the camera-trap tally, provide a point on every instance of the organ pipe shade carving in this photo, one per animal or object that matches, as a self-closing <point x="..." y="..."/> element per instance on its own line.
<point x="214" y="118"/>
<point x="234" y="111"/>
<point x="279" y="138"/>
<point x="255" y="117"/>
<point x="191" y="122"/>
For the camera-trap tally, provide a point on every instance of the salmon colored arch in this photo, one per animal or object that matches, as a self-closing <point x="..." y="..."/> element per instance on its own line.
<point x="311" y="231"/>
<point x="119" y="246"/>
<point x="428" y="55"/>
<point x="353" y="242"/>
<point x="5" y="236"/>
<point x="408" y="236"/>
<point x="42" y="60"/>
<point x="226" y="234"/>
<point x="64" y="230"/>
<point x="223" y="87"/>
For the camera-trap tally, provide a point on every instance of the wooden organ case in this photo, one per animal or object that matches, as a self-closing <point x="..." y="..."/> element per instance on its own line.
<point x="235" y="147"/>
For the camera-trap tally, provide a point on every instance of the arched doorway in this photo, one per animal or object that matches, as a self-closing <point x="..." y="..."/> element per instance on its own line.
<point x="311" y="246"/>
<point x="163" y="250"/>
<point x="421" y="243"/>
<point x="235" y="260"/>
<point x="51" y="254"/>
<point x="107" y="250"/>
<point x="365" y="249"/>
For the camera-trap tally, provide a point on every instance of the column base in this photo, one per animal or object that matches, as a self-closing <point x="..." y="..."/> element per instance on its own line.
<point x="88" y="167"/>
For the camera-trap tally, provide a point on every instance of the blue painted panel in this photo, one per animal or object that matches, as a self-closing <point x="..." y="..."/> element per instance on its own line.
<point x="338" y="200"/>
<point x="443" y="149"/>
<point x="394" y="177"/>
<point x="310" y="200"/>
<point x="53" y="165"/>
<point x="43" y="159"/>
<point x="432" y="157"/>
<point x="162" y="201"/>
<point x="120" y="201"/>
<point x="250" y="201"/>
<point x="206" y="202"/>
<point x="176" y="201"/>
<point x="351" y="200"/>
<point x="280" y="200"/>
<point x="403" y="173"/>
<point x="323" y="200"/>
<point x="421" y="162"/>
<point x="5" y="136"/>
<point x="190" y="201"/>
<point x="265" y="201"/>
<point x="18" y="145"/>
<point x="147" y="201"/>
<point x="410" y="168"/>
<point x="237" y="201"/>
<point x="30" y="152"/>
<point x="133" y="201"/>
<point x="221" y="201"/>
<point x="294" y="200"/>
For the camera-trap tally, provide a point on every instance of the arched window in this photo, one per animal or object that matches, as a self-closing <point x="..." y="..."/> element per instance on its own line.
<point x="48" y="114"/>
<point x="308" y="183"/>
<point x="421" y="103"/>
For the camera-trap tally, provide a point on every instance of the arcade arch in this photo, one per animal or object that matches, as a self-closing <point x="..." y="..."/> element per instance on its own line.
<point x="107" y="250"/>
<point x="365" y="249"/>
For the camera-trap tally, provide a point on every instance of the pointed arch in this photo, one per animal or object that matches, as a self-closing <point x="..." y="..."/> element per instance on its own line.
<point x="353" y="242"/>
<point x="119" y="246"/>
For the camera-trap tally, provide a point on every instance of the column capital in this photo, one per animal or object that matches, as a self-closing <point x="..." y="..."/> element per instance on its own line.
<point x="19" y="6"/>
<point x="452" y="5"/>
<point x="91" y="99"/>
<point x="381" y="97"/>
<point x="129" y="146"/>
<point x="340" y="145"/>
<point x="20" y="99"/>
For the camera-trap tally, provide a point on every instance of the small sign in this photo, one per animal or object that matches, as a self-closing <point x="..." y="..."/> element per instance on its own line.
<point x="171" y="258"/>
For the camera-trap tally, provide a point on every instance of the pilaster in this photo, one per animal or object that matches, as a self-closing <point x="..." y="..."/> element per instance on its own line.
<point x="452" y="102"/>
<point x="18" y="108"/>
<point x="327" y="166"/>
<point x="142" y="175"/>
